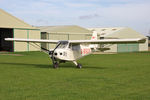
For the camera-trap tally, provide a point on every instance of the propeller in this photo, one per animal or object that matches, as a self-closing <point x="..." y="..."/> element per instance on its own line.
<point x="52" y="53"/>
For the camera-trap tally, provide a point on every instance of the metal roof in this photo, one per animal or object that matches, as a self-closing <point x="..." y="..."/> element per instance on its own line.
<point x="9" y="21"/>
<point x="106" y="31"/>
<point x="69" y="29"/>
<point x="117" y="32"/>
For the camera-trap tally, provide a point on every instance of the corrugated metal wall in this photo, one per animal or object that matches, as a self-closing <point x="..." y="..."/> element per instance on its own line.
<point x="34" y="34"/>
<point x="127" y="47"/>
<point x="60" y="36"/>
<point x="26" y="34"/>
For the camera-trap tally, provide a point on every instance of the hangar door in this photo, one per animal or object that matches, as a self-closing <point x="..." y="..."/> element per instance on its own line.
<point x="127" y="47"/>
<point x="6" y="45"/>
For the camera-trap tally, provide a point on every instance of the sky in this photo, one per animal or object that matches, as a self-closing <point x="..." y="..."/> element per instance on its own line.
<point x="86" y="13"/>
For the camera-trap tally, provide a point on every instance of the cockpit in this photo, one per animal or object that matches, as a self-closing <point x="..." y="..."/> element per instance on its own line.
<point x="66" y="44"/>
<point x="63" y="45"/>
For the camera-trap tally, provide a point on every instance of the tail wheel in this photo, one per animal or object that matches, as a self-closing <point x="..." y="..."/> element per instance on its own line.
<point x="79" y="66"/>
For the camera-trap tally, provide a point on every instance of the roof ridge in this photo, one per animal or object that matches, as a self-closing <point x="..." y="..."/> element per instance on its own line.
<point x="107" y="27"/>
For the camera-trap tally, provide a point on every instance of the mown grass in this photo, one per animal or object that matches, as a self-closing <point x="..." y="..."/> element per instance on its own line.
<point x="124" y="76"/>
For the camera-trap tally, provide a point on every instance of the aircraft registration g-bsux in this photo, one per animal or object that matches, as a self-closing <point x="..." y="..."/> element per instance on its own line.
<point x="72" y="50"/>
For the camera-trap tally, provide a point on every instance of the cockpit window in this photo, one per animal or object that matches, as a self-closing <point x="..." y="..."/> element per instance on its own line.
<point x="75" y="47"/>
<point x="63" y="45"/>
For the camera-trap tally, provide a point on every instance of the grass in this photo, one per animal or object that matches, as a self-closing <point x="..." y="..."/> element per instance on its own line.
<point x="124" y="76"/>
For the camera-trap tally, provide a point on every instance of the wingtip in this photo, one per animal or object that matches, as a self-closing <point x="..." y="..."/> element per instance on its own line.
<point x="6" y="39"/>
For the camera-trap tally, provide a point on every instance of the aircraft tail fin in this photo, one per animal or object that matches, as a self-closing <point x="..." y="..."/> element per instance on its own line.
<point x="94" y="35"/>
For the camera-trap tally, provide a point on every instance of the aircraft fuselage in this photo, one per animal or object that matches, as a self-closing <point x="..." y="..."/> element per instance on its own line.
<point x="69" y="52"/>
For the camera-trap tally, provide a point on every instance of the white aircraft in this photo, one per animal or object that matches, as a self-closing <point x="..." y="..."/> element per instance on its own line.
<point x="72" y="50"/>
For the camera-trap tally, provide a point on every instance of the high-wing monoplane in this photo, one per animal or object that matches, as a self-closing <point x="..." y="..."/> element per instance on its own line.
<point x="72" y="50"/>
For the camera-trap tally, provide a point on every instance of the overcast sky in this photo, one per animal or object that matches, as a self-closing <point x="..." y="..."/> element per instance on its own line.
<point x="86" y="13"/>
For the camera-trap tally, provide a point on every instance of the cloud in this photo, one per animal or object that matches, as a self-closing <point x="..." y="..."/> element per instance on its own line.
<point x="78" y="5"/>
<point x="88" y="16"/>
<point x="88" y="13"/>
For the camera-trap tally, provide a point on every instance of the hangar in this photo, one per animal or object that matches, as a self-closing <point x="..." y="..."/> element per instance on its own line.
<point x="66" y="32"/>
<point x="120" y="33"/>
<point x="12" y="27"/>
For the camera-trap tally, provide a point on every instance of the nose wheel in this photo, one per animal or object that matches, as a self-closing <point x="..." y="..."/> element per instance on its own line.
<point x="51" y="54"/>
<point x="55" y="62"/>
<point x="55" y="65"/>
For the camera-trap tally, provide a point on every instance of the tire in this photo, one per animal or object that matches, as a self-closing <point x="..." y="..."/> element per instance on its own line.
<point x="55" y="65"/>
<point x="79" y="66"/>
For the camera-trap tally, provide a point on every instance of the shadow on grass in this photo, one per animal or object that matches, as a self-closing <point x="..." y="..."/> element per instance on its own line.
<point x="26" y="65"/>
<point x="49" y="66"/>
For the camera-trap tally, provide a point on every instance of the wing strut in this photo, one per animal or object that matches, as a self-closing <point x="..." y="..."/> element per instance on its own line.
<point x="51" y="53"/>
<point x="43" y="49"/>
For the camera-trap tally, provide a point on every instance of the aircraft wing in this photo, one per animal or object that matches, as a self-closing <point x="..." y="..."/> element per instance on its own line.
<point x="109" y="41"/>
<point x="32" y="40"/>
<point x="104" y="41"/>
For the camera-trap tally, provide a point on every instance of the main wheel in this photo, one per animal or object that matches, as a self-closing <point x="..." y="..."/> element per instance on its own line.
<point x="79" y="66"/>
<point x="55" y="65"/>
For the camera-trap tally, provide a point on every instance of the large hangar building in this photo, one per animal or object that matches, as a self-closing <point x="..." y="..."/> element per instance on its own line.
<point x="121" y="33"/>
<point x="66" y="32"/>
<point x="12" y="27"/>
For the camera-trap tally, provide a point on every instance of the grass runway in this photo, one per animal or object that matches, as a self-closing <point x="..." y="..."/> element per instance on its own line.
<point x="29" y="76"/>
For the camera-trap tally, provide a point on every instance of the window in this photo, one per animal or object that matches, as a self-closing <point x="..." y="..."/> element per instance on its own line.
<point x="63" y="45"/>
<point x="101" y="38"/>
<point x="75" y="47"/>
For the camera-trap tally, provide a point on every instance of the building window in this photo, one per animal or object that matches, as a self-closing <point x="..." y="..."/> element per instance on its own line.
<point x="101" y="38"/>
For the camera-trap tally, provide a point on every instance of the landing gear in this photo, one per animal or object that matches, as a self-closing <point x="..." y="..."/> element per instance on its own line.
<point x="54" y="60"/>
<point x="77" y="64"/>
<point x="55" y="65"/>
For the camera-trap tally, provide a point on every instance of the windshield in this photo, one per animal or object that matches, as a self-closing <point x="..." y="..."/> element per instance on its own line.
<point x="63" y="45"/>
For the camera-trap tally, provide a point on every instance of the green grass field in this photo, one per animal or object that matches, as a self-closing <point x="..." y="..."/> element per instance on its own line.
<point x="29" y="76"/>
